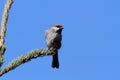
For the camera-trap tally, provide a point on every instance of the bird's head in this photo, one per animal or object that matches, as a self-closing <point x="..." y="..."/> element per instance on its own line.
<point x="57" y="28"/>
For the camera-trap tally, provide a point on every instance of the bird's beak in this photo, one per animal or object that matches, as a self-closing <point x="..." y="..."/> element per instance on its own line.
<point x="61" y="28"/>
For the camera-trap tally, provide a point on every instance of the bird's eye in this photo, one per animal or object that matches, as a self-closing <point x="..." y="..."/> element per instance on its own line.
<point x="59" y="26"/>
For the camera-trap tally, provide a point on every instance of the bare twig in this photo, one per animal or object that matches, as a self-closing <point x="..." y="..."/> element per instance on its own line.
<point x="3" y="29"/>
<point x="4" y="20"/>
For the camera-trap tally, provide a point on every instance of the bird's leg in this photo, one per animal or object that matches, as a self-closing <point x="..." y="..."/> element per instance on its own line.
<point x="52" y="51"/>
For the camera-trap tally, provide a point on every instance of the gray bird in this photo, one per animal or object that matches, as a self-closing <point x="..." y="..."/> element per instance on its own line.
<point x="53" y="40"/>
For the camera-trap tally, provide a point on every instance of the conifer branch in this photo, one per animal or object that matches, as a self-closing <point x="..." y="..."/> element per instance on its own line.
<point x="25" y="58"/>
<point x="4" y="20"/>
<point x="19" y="60"/>
<point x="3" y="29"/>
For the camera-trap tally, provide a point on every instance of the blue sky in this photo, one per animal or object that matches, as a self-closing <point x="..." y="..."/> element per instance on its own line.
<point x="91" y="39"/>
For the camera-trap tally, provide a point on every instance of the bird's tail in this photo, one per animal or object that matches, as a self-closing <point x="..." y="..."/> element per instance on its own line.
<point x="55" y="61"/>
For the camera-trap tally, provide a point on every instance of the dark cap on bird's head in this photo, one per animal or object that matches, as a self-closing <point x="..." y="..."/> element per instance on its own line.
<point x="58" y="26"/>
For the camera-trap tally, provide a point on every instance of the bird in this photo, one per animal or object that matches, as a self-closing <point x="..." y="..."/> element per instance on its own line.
<point x="53" y="38"/>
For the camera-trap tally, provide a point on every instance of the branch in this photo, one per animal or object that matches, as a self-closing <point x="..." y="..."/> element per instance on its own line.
<point x="25" y="58"/>
<point x="4" y="20"/>
<point x="3" y="29"/>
